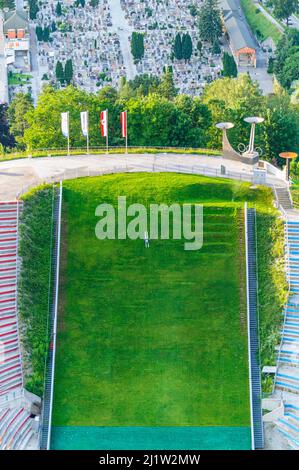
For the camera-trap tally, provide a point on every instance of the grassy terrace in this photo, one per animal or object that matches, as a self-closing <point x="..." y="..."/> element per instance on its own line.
<point x="260" y="25"/>
<point x="157" y="346"/>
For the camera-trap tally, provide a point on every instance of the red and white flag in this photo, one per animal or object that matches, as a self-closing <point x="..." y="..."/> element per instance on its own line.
<point x="104" y="123"/>
<point x="123" y="122"/>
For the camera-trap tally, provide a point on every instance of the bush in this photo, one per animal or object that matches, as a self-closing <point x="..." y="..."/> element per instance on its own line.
<point x="34" y="284"/>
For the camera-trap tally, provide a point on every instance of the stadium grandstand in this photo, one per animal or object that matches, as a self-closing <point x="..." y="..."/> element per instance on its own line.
<point x="17" y="424"/>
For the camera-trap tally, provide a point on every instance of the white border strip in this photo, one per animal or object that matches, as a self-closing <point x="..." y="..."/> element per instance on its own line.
<point x="55" y="316"/>
<point x="248" y="328"/>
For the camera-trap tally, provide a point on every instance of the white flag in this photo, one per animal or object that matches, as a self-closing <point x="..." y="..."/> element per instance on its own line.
<point x="65" y="124"/>
<point x="84" y="122"/>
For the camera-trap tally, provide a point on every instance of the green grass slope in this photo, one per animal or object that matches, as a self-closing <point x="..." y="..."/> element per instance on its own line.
<point x="260" y="25"/>
<point x="153" y="337"/>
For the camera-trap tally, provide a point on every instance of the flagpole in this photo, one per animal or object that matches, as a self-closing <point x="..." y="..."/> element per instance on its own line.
<point x="107" y="138"/>
<point x="126" y="132"/>
<point x="87" y="133"/>
<point x="68" y="133"/>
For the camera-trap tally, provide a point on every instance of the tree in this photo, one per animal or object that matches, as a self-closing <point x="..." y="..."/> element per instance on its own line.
<point x="285" y="65"/>
<point x="281" y="126"/>
<point x="39" y="33"/>
<point x="59" y="72"/>
<point x="44" y="129"/>
<point x="216" y="49"/>
<point x="199" y="47"/>
<point x="6" y="139"/>
<point x="137" y="46"/>
<point x="229" y="66"/>
<point x="177" y="48"/>
<point x="232" y="100"/>
<point x="144" y="84"/>
<point x="58" y="9"/>
<point x="209" y="21"/>
<point x="163" y="118"/>
<point x="7" y="4"/>
<point x="200" y="120"/>
<point x="167" y="88"/>
<point x="20" y="105"/>
<point x="33" y="9"/>
<point x="187" y="47"/>
<point x="68" y="71"/>
<point x="290" y="71"/>
<point x="193" y="10"/>
<point x="46" y="34"/>
<point x="283" y="9"/>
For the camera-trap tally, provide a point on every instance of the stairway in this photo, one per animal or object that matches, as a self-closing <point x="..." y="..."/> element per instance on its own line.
<point x="288" y="425"/>
<point x="256" y="390"/>
<point x="287" y="375"/>
<point x="16" y="428"/>
<point x="11" y="378"/>
<point x="47" y="405"/>
<point x="283" y="198"/>
<point x="16" y="424"/>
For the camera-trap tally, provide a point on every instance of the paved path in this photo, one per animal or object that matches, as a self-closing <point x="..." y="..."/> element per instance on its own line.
<point x="36" y="79"/>
<point x="3" y="68"/>
<point x="124" y="31"/>
<point x="18" y="175"/>
<point x="19" y="4"/>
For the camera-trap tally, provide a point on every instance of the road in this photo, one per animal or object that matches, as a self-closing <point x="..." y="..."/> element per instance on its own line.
<point x="36" y="79"/>
<point x="17" y="176"/>
<point x="260" y="73"/>
<point x="124" y="31"/>
<point x="3" y="68"/>
<point x="19" y="4"/>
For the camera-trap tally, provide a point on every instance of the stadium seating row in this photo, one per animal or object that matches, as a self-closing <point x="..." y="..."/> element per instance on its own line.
<point x="15" y="423"/>
<point x="287" y="376"/>
<point x="15" y="428"/>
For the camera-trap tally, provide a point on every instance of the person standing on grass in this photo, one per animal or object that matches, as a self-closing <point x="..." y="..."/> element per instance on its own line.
<point x="146" y="240"/>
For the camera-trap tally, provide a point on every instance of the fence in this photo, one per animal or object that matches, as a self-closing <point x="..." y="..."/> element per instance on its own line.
<point x="76" y="151"/>
<point x="138" y="167"/>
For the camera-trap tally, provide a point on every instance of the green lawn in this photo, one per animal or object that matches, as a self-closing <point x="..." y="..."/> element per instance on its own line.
<point x="18" y="78"/>
<point x="153" y="337"/>
<point x="260" y="25"/>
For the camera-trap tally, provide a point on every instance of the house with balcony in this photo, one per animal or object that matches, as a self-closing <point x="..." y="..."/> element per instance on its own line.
<point x="17" y="40"/>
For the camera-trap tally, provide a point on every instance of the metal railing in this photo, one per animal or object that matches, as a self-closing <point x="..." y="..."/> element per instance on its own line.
<point x="138" y="167"/>
<point x="287" y="267"/>
<point x="55" y="310"/>
<point x="257" y="437"/>
<point x="45" y="432"/>
<point x="102" y="150"/>
<point x="248" y="328"/>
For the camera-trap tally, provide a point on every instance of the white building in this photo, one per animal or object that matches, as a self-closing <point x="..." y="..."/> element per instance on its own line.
<point x="17" y="39"/>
